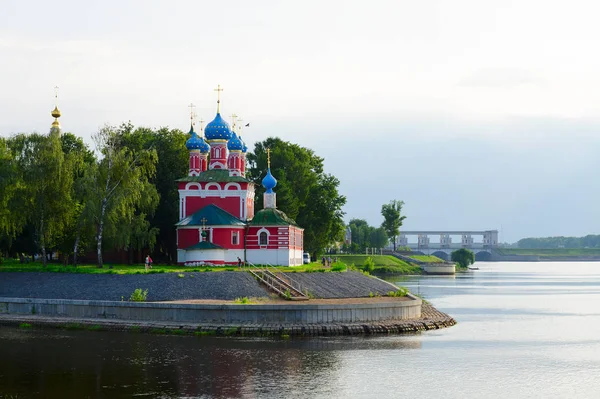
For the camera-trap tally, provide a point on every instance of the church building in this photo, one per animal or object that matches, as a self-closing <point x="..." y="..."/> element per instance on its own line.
<point x="217" y="222"/>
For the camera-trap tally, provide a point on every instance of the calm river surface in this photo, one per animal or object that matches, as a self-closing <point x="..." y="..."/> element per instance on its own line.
<point x="526" y="330"/>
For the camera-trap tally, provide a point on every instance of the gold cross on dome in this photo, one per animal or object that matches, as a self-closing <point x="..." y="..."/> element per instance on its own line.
<point x="269" y="158"/>
<point x="192" y="113"/>
<point x="218" y="90"/>
<point x="201" y="124"/>
<point x="56" y="95"/>
<point x="233" y="119"/>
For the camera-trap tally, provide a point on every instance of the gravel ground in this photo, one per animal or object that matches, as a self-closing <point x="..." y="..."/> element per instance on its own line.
<point x="341" y="285"/>
<point x="111" y="287"/>
<point x="171" y="287"/>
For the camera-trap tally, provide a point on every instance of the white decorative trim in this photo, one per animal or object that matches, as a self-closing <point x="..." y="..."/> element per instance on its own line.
<point x="193" y="184"/>
<point x="232" y="184"/>
<point x="263" y="230"/>
<point x="217" y="165"/>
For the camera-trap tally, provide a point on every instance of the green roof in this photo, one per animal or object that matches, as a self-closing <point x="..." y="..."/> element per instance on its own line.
<point x="270" y="217"/>
<point x="216" y="175"/>
<point x="204" y="245"/>
<point x="213" y="215"/>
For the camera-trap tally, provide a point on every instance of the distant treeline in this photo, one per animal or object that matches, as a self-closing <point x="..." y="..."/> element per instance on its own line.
<point x="589" y="241"/>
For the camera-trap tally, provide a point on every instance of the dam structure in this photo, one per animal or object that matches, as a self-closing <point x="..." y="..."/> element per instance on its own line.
<point x="442" y="243"/>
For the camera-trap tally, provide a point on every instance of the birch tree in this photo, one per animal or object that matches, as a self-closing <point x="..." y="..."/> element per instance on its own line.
<point x="117" y="184"/>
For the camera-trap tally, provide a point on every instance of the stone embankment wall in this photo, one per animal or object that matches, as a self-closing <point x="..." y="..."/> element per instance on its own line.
<point x="209" y="313"/>
<point x="431" y="319"/>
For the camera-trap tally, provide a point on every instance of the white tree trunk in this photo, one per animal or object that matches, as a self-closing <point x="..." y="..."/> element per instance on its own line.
<point x="100" y="230"/>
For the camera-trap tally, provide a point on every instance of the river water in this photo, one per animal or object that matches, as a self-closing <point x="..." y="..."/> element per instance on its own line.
<point x="525" y="330"/>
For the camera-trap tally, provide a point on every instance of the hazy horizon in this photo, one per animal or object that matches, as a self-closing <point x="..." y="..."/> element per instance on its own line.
<point x="478" y="116"/>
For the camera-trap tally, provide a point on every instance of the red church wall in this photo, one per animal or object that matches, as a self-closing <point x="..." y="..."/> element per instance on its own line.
<point x="223" y="236"/>
<point x="187" y="237"/>
<point x="275" y="236"/>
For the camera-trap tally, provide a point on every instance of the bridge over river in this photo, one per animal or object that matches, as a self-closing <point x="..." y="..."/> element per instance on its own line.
<point x="443" y="242"/>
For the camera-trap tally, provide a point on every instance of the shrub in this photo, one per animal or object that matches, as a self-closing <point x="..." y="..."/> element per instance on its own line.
<point x="181" y="275"/>
<point x="138" y="295"/>
<point x="339" y="268"/>
<point x="287" y="294"/>
<point x="243" y="300"/>
<point x="369" y="265"/>
<point x="401" y="292"/>
<point x="24" y="325"/>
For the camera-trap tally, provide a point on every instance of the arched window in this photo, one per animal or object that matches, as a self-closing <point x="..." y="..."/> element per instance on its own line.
<point x="263" y="238"/>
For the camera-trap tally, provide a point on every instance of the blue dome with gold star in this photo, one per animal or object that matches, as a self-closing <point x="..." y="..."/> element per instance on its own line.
<point x="217" y="129"/>
<point x="196" y="143"/>
<point x="244" y="146"/>
<point x="269" y="182"/>
<point x="235" y="143"/>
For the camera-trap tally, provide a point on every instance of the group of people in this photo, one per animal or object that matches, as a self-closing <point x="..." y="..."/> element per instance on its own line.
<point x="326" y="261"/>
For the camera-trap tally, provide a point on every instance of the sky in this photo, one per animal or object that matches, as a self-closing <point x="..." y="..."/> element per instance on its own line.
<point x="477" y="114"/>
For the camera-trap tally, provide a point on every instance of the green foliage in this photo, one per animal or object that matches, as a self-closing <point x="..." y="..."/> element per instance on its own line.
<point x="338" y="267"/>
<point x="392" y="219"/>
<point x="589" y="241"/>
<point x="366" y="236"/>
<point x="242" y="301"/>
<point x="402" y="291"/>
<point x="138" y="295"/>
<point x="181" y="275"/>
<point x="25" y="326"/>
<point x="119" y="193"/>
<point x="463" y="257"/>
<point x="304" y="191"/>
<point x="369" y="265"/>
<point x="287" y="294"/>
<point x="427" y="258"/>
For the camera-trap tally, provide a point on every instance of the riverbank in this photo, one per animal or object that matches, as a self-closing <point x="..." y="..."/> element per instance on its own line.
<point x="431" y="319"/>
<point x="347" y="303"/>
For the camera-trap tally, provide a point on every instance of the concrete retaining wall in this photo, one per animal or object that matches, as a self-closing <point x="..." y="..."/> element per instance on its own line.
<point x="439" y="268"/>
<point x="222" y="314"/>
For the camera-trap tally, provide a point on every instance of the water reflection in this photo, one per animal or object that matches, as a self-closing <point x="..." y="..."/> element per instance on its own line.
<point x="118" y="364"/>
<point x="525" y="330"/>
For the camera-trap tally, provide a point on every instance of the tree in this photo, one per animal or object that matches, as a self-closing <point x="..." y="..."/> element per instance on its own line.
<point x="464" y="257"/>
<point x="117" y="185"/>
<point x="392" y="219"/>
<point x="44" y="198"/>
<point x="172" y="164"/>
<point x="304" y="192"/>
<point x="379" y="238"/>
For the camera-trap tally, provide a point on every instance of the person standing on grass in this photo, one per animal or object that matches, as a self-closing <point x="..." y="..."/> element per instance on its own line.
<point x="239" y="263"/>
<point x="147" y="262"/>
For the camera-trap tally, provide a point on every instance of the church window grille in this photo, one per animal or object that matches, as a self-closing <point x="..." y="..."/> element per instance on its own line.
<point x="263" y="238"/>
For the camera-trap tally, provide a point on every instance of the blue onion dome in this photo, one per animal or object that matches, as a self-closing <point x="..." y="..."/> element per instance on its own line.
<point x="204" y="147"/>
<point x="217" y="129"/>
<point x="269" y="182"/>
<point x="244" y="146"/>
<point x="196" y="143"/>
<point x="235" y="143"/>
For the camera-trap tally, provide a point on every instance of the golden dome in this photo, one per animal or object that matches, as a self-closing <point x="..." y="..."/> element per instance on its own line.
<point x="56" y="112"/>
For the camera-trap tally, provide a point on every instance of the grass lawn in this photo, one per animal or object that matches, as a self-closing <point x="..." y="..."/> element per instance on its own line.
<point x="427" y="258"/>
<point x="383" y="263"/>
<point x="15" y="266"/>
